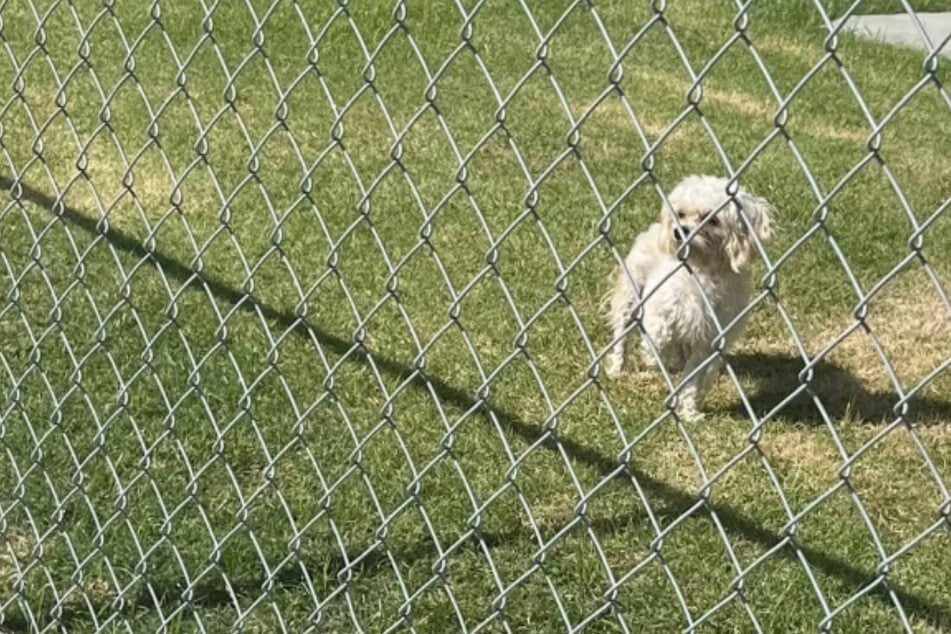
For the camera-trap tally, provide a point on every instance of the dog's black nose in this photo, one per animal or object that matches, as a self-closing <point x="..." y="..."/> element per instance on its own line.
<point x="680" y="234"/>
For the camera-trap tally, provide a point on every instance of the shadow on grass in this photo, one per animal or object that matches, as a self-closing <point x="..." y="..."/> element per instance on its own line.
<point x="841" y="394"/>
<point x="377" y="560"/>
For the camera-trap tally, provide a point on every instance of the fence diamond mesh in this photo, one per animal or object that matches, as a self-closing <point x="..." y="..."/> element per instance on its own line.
<point x="301" y="325"/>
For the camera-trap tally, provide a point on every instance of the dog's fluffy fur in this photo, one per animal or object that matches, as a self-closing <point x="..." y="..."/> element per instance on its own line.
<point x="687" y="303"/>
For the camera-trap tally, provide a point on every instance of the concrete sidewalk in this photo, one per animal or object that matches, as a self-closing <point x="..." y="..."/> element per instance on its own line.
<point x="901" y="29"/>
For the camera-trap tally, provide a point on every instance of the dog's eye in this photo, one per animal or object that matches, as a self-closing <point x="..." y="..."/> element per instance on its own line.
<point x="680" y="215"/>
<point x="714" y="221"/>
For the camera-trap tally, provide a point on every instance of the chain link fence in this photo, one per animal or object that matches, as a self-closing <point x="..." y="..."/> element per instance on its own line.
<point x="300" y="327"/>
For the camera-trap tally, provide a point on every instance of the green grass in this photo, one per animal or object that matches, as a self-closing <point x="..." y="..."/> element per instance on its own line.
<point x="239" y="385"/>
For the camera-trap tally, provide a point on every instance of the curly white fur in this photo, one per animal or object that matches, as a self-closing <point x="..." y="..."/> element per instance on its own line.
<point x="686" y="304"/>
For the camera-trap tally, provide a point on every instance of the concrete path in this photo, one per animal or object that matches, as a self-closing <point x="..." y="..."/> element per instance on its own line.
<point x="901" y="29"/>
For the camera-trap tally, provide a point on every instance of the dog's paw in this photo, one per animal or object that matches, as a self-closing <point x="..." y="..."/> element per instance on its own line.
<point x="649" y="361"/>
<point x="613" y="367"/>
<point x="689" y="414"/>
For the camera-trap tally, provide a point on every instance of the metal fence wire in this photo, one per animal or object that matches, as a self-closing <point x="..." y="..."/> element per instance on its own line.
<point x="301" y="328"/>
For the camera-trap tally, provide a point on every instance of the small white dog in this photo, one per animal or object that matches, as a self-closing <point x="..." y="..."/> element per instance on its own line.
<point x="687" y="303"/>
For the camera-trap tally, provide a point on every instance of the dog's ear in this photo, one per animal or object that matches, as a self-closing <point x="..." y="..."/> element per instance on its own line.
<point x="667" y="215"/>
<point x="760" y="213"/>
<point x="759" y="217"/>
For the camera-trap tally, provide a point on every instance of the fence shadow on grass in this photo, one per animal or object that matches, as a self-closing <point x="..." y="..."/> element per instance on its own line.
<point x="842" y="395"/>
<point x="735" y="522"/>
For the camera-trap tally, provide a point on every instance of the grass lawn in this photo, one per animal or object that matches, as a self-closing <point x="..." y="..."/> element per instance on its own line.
<point x="292" y="340"/>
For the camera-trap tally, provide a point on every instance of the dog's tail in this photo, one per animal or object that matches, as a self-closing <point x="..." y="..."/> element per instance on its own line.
<point x="604" y="304"/>
<point x="621" y="278"/>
